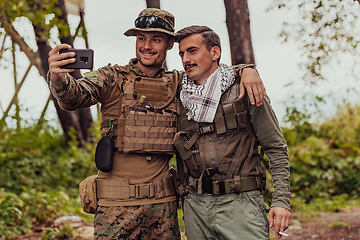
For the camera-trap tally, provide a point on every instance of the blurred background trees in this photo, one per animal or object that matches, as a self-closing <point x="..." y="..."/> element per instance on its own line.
<point x="45" y="164"/>
<point x="45" y="15"/>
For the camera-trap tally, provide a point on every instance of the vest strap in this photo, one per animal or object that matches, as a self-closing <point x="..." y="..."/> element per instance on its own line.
<point x="234" y="163"/>
<point x="121" y="189"/>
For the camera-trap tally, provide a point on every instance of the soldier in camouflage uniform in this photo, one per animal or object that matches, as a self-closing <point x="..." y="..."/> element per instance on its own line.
<point x="136" y="199"/>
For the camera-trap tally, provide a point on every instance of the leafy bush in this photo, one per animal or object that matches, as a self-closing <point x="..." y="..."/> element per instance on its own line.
<point x="325" y="162"/>
<point x="40" y="173"/>
<point x="39" y="178"/>
<point x="19" y="212"/>
<point x="40" y="159"/>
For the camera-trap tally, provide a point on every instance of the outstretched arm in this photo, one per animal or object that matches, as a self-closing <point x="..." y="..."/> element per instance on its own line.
<point x="282" y="219"/>
<point x="251" y="81"/>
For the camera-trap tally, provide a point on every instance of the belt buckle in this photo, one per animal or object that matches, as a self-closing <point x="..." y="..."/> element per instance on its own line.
<point x="222" y="186"/>
<point x="218" y="187"/>
<point x="142" y="190"/>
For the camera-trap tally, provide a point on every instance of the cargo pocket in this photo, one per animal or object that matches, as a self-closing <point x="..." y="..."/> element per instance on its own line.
<point x="258" y="206"/>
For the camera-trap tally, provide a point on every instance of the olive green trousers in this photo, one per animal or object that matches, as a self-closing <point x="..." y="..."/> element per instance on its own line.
<point x="228" y="216"/>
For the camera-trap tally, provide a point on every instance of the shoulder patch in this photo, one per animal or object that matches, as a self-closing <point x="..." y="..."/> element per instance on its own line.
<point x="90" y="74"/>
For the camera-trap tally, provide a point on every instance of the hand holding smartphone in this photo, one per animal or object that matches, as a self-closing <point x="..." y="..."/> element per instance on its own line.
<point x="84" y="58"/>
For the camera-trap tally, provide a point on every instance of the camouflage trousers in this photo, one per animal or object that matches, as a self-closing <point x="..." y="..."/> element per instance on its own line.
<point x="151" y="221"/>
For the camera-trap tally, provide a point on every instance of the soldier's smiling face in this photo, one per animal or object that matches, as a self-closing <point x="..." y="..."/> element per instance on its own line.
<point x="151" y="48"/>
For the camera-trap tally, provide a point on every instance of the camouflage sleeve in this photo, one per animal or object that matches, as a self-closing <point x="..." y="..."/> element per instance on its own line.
<point x="268" y="131"/>
<point x="238" y="68"/>
<point x="85" y="92"/>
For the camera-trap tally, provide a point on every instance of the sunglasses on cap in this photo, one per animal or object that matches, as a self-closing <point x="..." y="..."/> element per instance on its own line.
<point x="153" y="22"/>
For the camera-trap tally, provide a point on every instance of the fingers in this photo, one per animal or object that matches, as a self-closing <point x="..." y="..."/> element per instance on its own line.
<point x="55" y="50"/>
<point x="250" y="95"/>
<point x="242" y="90"/>
<point x="254" y="86"/>
<point x="271" y="218"/>
<point x="263" y="90"/>
<point x="282" y="221"/>
<point x="258" y="95"/>
<point x="57" y="60"/>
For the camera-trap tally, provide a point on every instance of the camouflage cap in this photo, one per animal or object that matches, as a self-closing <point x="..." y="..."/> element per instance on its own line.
<point x="151" y="20"/>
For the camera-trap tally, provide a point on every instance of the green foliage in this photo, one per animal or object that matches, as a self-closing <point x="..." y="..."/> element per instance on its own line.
<point x="181" y="219"/>
<point x="339" y="225"/>
<point x="20" y="212"/>
<point x="65" y="232"/>
<point x="317" y="206"/>
<point x="39" y="178"/>
<point x="40" y="175"/>
<point x="12" y="219"/>
<point x="326" y="162"/>
<point x="300" y="128"/>
<point x="324" y="29"/>
<point x="41" y="13"/>
<point x="33" y="158"/>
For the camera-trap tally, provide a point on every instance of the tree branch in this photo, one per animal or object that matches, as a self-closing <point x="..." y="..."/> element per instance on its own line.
<point x="15" y="36"/>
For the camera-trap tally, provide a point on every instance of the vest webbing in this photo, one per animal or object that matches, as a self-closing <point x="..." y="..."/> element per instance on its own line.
<point x="232" y="142"/>
<point x="147" y="116"/>
<point x="117" y="189"/>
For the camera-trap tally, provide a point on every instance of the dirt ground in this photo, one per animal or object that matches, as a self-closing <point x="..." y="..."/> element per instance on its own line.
<point x="341" y="225"/>
<point x="344" y="225"/>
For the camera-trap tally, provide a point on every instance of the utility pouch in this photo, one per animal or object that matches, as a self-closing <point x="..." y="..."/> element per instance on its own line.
<point x="88" y="196"/>
<point x="189" y="156"/>
<point x="104" y="152"/>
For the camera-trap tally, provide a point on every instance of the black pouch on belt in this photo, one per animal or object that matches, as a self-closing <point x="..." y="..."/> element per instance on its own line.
<point x="104" y="152"/>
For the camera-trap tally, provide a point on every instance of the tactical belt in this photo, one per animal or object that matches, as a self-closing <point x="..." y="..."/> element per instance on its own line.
<point x="236" y="185"/>
<point x="121" y="189"/>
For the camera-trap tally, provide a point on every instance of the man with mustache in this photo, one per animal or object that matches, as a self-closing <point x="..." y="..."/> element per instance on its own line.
<point x="136" y="199"/>
<point x="220" y="170"/>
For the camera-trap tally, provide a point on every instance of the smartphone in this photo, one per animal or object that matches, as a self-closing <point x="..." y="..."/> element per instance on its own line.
<point x="84" y="58"/>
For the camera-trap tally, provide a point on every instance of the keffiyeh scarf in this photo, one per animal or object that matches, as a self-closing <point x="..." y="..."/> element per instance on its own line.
<point x="201" y="101"/>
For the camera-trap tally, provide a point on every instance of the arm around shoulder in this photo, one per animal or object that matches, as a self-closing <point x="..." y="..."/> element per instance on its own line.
<point x="251" y="83"/>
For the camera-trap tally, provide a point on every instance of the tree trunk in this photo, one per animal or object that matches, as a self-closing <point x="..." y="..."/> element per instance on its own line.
<point x="153" y="4"/>
<point x="238" y="24"/>
<point x="80" y="120"/>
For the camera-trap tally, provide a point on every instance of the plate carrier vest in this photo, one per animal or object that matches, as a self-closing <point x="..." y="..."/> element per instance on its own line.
<point x="147" y="116"/>
<point x="220" y="157"/>
<point x="146" y="124"/>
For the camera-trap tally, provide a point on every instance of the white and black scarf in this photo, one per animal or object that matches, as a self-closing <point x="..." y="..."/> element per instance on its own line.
<point x="201" y="101"/>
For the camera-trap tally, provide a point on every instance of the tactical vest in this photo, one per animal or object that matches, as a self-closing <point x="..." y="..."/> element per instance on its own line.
<point x="220" y="157"/>
<point x="147" y="116"/>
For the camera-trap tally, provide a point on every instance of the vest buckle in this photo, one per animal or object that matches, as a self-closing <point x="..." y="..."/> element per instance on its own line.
<point x="211" y="171"/>
<point x="206" y="129"/>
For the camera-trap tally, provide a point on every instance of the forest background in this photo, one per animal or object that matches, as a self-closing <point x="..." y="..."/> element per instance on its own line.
<point x="45" y="154"/>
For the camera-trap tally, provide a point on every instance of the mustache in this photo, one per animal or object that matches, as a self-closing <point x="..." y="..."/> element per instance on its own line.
<point x="146" y="51"/>
<point x="189" y="65"/>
